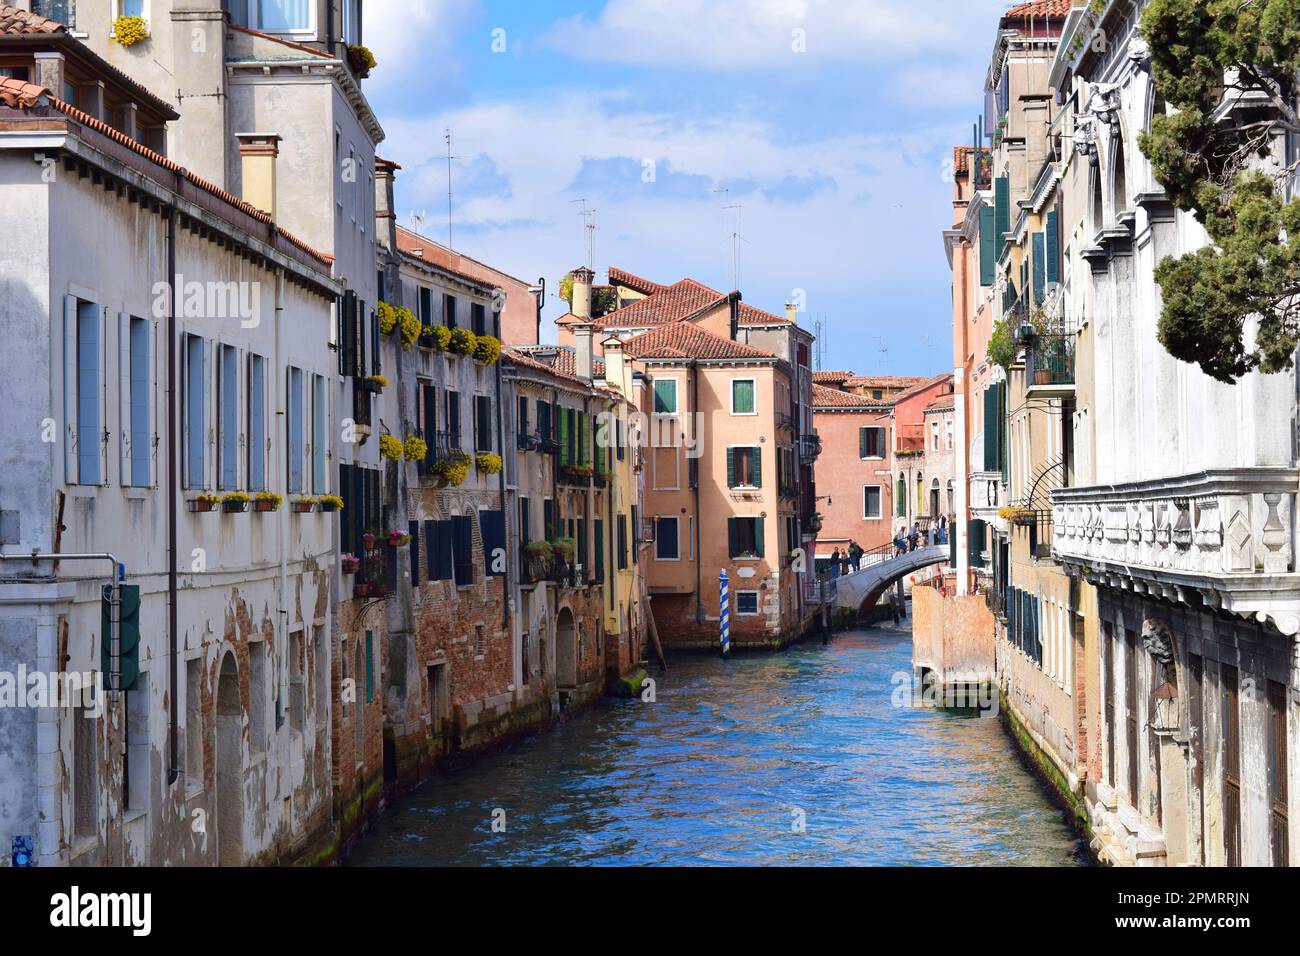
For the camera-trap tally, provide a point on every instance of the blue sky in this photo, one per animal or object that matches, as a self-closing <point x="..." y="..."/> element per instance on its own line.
<point x="830" y="122"/>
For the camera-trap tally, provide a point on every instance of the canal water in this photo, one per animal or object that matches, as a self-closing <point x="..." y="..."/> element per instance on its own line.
<point x="795" y="758"/>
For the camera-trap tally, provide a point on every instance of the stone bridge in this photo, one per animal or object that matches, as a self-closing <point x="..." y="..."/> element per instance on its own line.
<point x="861" y="589"/>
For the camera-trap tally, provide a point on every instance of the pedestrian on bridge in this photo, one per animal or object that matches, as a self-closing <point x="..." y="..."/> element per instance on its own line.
<point x="835" y="563"/>
<point x="844" y="563"/>
<point x="855" y="555"/>
<point x="900" y="541"/>
<point x="915" y="536"/>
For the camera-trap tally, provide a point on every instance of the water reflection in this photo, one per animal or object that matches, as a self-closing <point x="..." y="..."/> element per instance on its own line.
<point x="727" y="763"/>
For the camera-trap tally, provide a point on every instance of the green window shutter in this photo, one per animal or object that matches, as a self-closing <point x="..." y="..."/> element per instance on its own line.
<point x="862" y="442"/>
<point x="988" y="247"/>
<point x="564" y="437"/>
<point x="583" y="436"/>
<point x="666" y="396"/>
<point x="758" y="467"/>
<point x="731" y="537"/>
<point x="636" y="532"/>
<point x="1040" y="266"/>
<point x="600" y="549"/>
<point x="1002" y="431"/>
<point x="758" y="536"/>
<point x="975" y="542"/>
<point x="1053" y="247"/>
<point x="991" y="461"/>
<point x="1002" y="211"/>
<point x="582" y="544"/>
<point x="731" y="467"/>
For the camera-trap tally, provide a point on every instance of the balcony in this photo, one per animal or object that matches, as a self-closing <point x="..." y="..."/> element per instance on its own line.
<point x="1049" y="365"/>
<point x="1221" y="538"/>
<point x="810" y="448"/>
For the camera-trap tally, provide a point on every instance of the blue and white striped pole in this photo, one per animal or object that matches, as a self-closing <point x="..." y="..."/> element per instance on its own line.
<point x="725" y="613"/>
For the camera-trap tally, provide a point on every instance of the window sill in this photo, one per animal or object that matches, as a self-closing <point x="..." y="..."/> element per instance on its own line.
<point x="130" y="816"/>
<point x="136" y="493"/>
<point x="84" y="491"/>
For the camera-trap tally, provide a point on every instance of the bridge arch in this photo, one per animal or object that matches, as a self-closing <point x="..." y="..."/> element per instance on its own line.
<point x="862" y="589"/>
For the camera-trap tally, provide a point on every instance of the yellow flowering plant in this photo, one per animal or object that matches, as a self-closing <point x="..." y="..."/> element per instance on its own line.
<point x="128" y="31"/>
<point x="409" y="327"/>
<point x="390" y="447"/>
<point x="453" y="470"/>
<point x="487" y="349"/>
<point x="415" y="448"/>
<point x="487" y="463"/>
<point x="387" y="318"/>
<point x="462" y="341"/>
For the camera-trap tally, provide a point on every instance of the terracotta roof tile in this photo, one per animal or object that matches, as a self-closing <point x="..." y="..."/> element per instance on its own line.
<point x="824" y="397"/>
<point x="834" y="377"/>
<point x="885" y="381"/>
<point x="20" y="95"/>
<point x="686" y="340"/>
<point x="1038" y="8"/>
<point x="618" y="276"/>
<point x="560" y="359"/>
<point x="15" y="22"/>
<point x="671" y="304"/>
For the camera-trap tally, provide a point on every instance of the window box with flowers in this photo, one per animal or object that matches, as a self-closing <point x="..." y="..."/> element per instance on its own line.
<point x="397" y="539"/>
<point x="350" y="564"/>
<point x="368" y="540"/>
<point x="371" y="589"/>
<point x="361" y="60"/>
<point x="487" y="463"/>
<point x="487" y="349"/>
<point x="204" y="501"/>
<point x="330" y="503"/>
<point x="267" y="501"/>
<point x="376" y="383"/>
<point x="304" y="505"/>
<point x="462" y="342"/>
<point x="128" y="31"/>
<point x="408" y="328"/>
<point x="452" y="470"/>
<point x="236" y="502"/>
<point x="539" y="555"/>
<point x="436" y="337"/>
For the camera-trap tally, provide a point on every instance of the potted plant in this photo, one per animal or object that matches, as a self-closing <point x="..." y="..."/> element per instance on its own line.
<point x="487" y="349"/>
<point x="368" y="540"/>
<point x="487" y="463"/>
<point x="376" y="383"/>
<point x="128" y="31"/>
<point x="361" y="60"/>
<point x="461" y="341"/>
<point x="396" y="539"/>
<point x="539" y="555"/>
<point x="415" y="448"/>
<point x="452" y="470"/>
<point x="235" y="502"/>
<point x="204" y="501"/>
<point x="330" y="503"/>
<point x="408" y="327"/>
<point x="390" y="447"/>
<point x="267" y="501"/>
<point x="304" y="504"/>
<point x="350" y="564"/>
<point x="387" y="315"/>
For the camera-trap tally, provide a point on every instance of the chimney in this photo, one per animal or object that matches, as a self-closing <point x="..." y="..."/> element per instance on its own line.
<point x="792" y="312"/>
<point x="385" y="213"/>
<point x="257" y="153"/>
<point x="733" y="301"/>
<point x="615" y="366"/>
<point x="582" y="279"/>
<point x="582" y="334"/>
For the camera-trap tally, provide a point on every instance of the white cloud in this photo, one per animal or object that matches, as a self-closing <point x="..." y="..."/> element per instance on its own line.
<point x="725" y="35"/>
<point x="414" y="43"/>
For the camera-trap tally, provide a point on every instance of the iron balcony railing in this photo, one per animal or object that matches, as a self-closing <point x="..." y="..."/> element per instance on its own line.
<point x="1049" y="359"/>
<point x="444" y="446"/>
<point x="810" y="447"/>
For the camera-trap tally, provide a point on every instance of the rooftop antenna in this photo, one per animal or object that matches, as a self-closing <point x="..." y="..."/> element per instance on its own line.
<point x="884" y="355"/>
<point x="589" y="232"/>
<point x="736" y="237"/>
<point x="417" y="220"/>
<point x="819" y="347"/>
<point x="450" y="157"/>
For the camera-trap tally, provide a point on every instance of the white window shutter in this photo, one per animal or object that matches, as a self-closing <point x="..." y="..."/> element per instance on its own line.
<point x="208" y="421"/>
<point x="70" y="389"/>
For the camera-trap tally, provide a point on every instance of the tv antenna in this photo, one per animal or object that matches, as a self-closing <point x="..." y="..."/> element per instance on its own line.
<point x="450" y="157"/>
<point x="589" y="231"/>
<point x="884" y="355"/>
<point x="417" y="220"/>
<point x="820" y="332"/>
<point x="736" y="237"/>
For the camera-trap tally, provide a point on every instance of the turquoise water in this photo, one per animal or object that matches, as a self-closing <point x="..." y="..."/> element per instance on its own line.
<point x="796" y="758"/>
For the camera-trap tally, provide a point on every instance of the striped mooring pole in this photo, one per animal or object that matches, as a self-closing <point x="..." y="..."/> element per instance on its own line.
<point x="724" y="615"/>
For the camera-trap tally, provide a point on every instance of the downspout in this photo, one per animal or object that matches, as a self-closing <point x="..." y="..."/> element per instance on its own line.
<point x="173" y="466"/>
<point x="283" y="513"/>
<point x="699" y="556"/>
<point x="501" y="475"/>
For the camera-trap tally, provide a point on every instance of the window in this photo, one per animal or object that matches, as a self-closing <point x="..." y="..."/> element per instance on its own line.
<point x="449" y="311"/>
<point x="746" y="603"/>
<point x="140" y="406"/>
<point x="426" y="307"/>
<point x="667" y="540"/>
<point x="370" y="666"/>
<point x="196" y="411"/>
<point x="319" y="431"/>
<point x="256" y="423"/>
<point x="130" y="8"/>
<point x="453" y="418"/>
<point x="228" y="423"/>
<point x="621" y="532"/>
<point x="297" y="404"/>
<point x="871" y="441"/>
<point x="351" y="22"/>
<point x="275" y="16"/>
<point x="297" y="684"/>
<point x="745" y="467"/>
<point x="478" y="318"/>
<point x="60" y="11"/>
<point x="89" y="376"/>
<point x="483" y="423"/>
<point x="666" y="396"/>
<point x="745" y="537"/>
<point x="871" y="502"/>
<point x="742" y="397"/>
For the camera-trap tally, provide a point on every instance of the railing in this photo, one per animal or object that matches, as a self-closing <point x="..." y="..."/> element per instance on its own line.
<point x="1049" y="359"/>
<point x="810" y="447"/>
<point x="1227" y="534"/>
<point x="445" y="446"/>
<point x="361" y="402"/>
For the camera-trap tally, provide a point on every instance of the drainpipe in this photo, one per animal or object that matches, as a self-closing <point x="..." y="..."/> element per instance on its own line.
<point x="501" y="475"/>
<point x="699" y="556"/>
<point x="282" y="513"/>
<point x="173" y="467"/>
